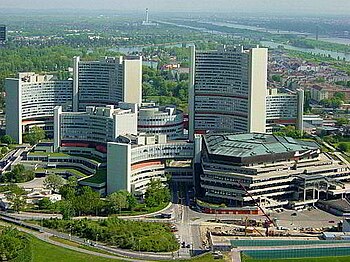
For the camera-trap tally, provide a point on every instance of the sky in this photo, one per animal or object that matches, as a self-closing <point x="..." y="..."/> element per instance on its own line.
<point x="273" y="6"/>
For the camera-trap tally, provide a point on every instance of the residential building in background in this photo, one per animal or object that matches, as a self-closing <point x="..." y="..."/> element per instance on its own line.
<point x="3" y="34"/>
<point x="284" y="109"/>
<point x="107" y="82"/>
<point x="319" y="93"/>
<point x="30" y="100"/>
<point x="227" y="91"/>
<point x="94" y="127"/>
<point x="165" y="120"/>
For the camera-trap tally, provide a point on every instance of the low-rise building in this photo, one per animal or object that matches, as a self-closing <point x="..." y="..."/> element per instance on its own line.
<point x="134" y="160"/>
<point x="274" y="171"/>
<point x="319" y="93"/>
<point x="94" y="127"/>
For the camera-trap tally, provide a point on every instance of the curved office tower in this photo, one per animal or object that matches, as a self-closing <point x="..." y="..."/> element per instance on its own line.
<point x="107" y="82"/>
<point x="228" y="90"/>
<point x="163" y="120"/>
<point x="30" y="100"/>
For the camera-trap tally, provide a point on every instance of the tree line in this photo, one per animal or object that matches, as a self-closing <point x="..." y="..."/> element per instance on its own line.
<point x="126" y="234"/>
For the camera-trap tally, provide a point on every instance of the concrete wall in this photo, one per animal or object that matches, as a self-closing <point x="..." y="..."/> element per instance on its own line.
<point x="125" y="124"/>
<point x="13" y="91"/>
<point x="191" y="93"/>
<point x="118" y="167"/>
<point x="257" y="90"/>
<point x="57" y="127"/>
<point x="132" y="80"/>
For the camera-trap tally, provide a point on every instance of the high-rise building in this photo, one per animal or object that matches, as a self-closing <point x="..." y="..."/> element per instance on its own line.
<point x="284" y="109"/>
<point x="3" y="34"/>
<point x="30" y="100"/>
<point x="227" y="90"/>
<point x="94" y="127"/>
<point x="107" y="82"/>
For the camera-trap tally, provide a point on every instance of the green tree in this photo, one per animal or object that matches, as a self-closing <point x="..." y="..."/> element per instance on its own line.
<point x="18" y="174"/>
<point x="276" y="78"/>
<point x="4" y="150"/>
<point x="66" y="209"/>
<point x="290" y="131"/>
<point x="132" y="201"/>
<point x="7" y="139"/>
<point x="45" y="203"/>
<point x="156" y="193"/>
<point x="344" y="147"/>
<point x="12" y="243"/>
<point x="34" y="136"/>
<point x="339" y="95"/>
<point x="67" y="192"/>
<point x="54" y="182"/>
<point x="72" y="181"/>
<point x="16" y="196"/>
<point x="342" y="121"/>
<point x="118" y="200"/>
<point x="87" y="202"/>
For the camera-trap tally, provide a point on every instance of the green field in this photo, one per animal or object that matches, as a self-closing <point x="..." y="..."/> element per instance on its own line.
<point x="43" y="252"/>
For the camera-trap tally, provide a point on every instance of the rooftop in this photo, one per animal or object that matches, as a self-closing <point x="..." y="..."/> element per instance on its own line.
<point x="255" y="144"/>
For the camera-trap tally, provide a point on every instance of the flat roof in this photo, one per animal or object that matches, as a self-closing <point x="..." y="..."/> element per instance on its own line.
<point x="255" y="144"/>
<point x="339" y="204"/>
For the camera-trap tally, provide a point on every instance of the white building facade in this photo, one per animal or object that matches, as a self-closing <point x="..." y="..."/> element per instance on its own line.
<point x="94" y="127"/>
<point x="284" y="109"/>
<point x="227" y="91"/>
<point x="107" y="82"/>
<point x="167" y="120"/>
<point x="134" y="161"/>
<point x="30" y="101"/>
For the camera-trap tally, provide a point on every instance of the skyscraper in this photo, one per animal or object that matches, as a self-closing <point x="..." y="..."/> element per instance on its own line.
<point x="3" y="34"/>
<point x="30" y="101"/>
<point x="227" y="90"/>
<point x="107" y="82"/>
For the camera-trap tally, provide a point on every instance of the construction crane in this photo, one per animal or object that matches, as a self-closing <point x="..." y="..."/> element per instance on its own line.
<point x="268" y="220"/>
<point x="246" y="227"/>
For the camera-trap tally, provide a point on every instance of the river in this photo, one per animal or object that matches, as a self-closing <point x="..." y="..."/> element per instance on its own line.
<point x="316" y="51"/>
<point x="269" y="44"/>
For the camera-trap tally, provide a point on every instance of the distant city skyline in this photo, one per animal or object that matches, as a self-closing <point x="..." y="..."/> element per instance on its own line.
<point x="273" y="6"/>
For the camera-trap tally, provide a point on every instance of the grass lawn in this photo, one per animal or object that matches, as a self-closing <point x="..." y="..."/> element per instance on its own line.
<point x="98" y="178"/>
<point x="47" y="154"/>
<point x="43" y="252"/>
<point x="74" y="244"/>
